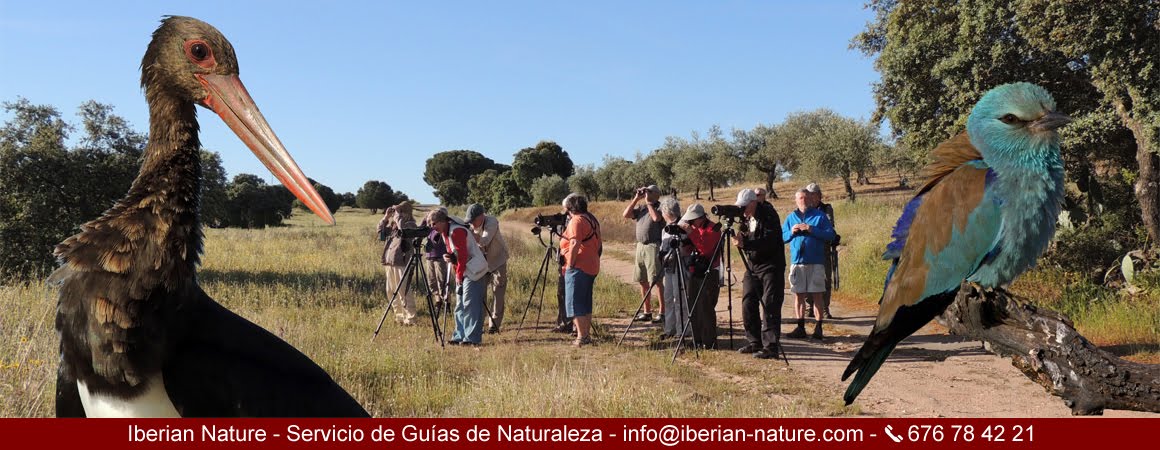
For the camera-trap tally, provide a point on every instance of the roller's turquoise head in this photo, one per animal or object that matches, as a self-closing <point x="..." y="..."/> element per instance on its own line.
<point x="1014" y="122"/>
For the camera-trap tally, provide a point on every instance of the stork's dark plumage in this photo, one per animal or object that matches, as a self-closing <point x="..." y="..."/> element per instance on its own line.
<point x="138" y="336"/>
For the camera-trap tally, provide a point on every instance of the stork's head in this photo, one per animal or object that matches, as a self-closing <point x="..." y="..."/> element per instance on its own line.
<point x="191" y="60"/>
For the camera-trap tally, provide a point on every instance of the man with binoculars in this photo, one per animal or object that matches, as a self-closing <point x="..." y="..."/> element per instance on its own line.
<point x="649" y="223"/>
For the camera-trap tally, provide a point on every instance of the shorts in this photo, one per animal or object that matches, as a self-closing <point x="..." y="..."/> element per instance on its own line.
<point x="807" y="278"/>
<point x="578" y="292"/>
<point x="648" y="263"/>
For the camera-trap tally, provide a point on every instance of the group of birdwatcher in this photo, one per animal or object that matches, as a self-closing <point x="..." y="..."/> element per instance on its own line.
<point x="139" y="336"/>
<point x="464" y="258"/>
<point x="679" y="252"/>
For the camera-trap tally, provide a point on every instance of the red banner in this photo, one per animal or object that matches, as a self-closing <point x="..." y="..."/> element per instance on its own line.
<point x="736" y="434"/>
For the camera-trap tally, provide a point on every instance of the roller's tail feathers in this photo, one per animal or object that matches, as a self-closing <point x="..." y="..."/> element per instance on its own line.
<point x="866" y="362"/>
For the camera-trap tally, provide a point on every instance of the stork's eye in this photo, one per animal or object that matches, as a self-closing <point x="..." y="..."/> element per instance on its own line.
<point x="1010" y="119"/>
<point x="199" y="53"/>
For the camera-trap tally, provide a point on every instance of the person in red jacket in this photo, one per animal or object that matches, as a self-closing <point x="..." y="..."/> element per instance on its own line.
<point x="470" y="267"/>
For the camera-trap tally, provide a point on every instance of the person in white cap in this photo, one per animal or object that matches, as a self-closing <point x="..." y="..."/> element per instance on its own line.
<point x="705" y="275"/>
<point x="764" y="283"/>
<point x="647" y="271"/>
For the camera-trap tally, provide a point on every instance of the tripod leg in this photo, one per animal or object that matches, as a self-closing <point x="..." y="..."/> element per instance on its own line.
<point x="422" y="273"/>
<point x="644" y="298"/>
<point x="390" y="303"/>
<point x="541" y="276"/>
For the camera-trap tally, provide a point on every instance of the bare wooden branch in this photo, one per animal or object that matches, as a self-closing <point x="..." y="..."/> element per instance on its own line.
<point x="1045" y="346"/>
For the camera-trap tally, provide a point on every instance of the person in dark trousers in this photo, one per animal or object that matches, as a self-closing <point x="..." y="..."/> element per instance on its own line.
<point x="764" y="283"/>
<point x="828" y="210"/>
<point x="705" y="273"/>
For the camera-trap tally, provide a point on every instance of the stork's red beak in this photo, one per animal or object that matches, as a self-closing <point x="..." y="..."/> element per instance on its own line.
<point x="229" y="99"/>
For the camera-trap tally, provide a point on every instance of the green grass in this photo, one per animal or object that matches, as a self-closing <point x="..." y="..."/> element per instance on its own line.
<point x="321" y="289"/>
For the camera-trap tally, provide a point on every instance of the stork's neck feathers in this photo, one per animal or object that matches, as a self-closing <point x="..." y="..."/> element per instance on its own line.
<point x="168" y="186"/>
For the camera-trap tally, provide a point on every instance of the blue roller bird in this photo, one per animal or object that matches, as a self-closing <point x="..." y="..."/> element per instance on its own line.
<point x="987" y="210"/>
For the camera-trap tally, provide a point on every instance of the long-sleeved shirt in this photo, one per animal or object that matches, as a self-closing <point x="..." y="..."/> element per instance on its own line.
<point x="761" y="241"/>
<point x="807" y="247"/>
<point x="705" y="239"/>
<point x="469" y="259"/>
<point x="492" y="243"/>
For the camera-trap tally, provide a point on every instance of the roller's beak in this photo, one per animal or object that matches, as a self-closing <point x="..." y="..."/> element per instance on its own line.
<point x="1050" y="121"/>
<point x="229" y="99"/>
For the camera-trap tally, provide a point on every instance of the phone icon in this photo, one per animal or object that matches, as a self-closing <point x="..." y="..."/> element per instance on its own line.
<point x="892" y="436"/>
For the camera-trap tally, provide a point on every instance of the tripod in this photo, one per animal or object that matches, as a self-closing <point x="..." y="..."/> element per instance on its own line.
<point x="682" y="294"/>
<point x="414" y="265"/>
<point x="541" y="281"/>
<point x="721" y="252"/>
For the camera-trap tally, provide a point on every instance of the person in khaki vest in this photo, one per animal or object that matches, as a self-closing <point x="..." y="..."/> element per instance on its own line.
<point x="487" y="234"/>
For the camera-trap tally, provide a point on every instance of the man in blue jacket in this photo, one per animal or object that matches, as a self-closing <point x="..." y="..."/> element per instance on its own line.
<point x="808" y="231"/>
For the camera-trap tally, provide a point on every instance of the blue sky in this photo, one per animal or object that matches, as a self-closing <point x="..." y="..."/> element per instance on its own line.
<point x="369" y="90"/>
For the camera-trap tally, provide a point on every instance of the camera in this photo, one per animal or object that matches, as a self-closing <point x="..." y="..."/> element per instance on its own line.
<point x="551" y="221"/>
<point x="728" y="211"/>
<point x="412" y="233"/>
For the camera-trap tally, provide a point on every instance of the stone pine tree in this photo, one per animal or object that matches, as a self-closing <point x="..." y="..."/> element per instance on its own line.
<point x="375" y="195"/>
<point x="546" y="158"/>
<point x="448" y="172"/>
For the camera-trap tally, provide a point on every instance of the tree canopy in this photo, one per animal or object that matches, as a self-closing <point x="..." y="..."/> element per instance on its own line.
<point x="546" y="158"/>
<point x="1097" y="59"/>
<point x="447" y="172"/>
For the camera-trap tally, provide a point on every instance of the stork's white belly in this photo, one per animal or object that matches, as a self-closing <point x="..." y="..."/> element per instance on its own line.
<point x="153" y="402"/>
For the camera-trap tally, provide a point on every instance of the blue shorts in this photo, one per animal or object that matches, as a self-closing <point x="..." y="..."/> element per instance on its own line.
<point x="578" y="292"/>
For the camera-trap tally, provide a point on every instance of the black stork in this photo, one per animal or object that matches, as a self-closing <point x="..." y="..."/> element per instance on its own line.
<point x="138" y="336"/>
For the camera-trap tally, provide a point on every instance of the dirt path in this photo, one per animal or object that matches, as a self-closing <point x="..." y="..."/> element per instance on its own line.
<point x="931" y="374"/>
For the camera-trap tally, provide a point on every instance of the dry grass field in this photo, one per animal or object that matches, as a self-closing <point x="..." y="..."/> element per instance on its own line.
<point x="321" y="289"/>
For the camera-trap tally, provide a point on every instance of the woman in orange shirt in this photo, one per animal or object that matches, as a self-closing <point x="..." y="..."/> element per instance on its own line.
<point x="581" y="247"/>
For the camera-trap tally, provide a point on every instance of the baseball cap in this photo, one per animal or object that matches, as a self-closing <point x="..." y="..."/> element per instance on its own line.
<point x="745" y="197"/>
<point x="814" y="188"/>
<point x="694" y="212"/>
<point x="474" y="210"/>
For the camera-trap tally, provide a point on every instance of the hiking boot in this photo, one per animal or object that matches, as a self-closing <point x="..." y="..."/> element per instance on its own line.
<point x="493" y="329"/>
<point x="660" y="318"/>
<point x="817" y="332"/>
<point x="643" y="317"/>
<point x="749" y="348"/>
<point x="766" y="353"/>
<point x="580" y="342"/>
<point x="826" y="315"/>
<point x="798" y="332"/>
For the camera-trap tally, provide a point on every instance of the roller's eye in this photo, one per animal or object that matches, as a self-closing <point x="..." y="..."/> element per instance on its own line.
<point x="1010" y="119"/>
<point x="199" y="53"/>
